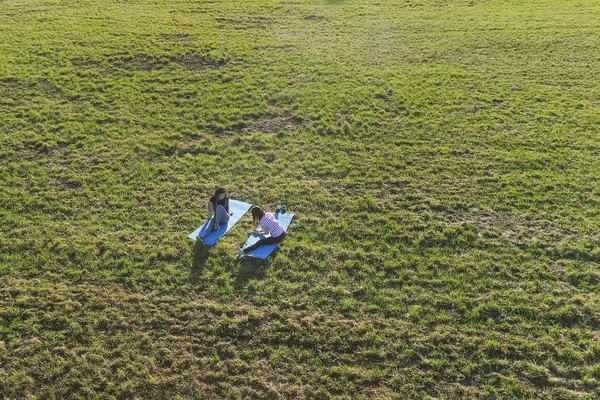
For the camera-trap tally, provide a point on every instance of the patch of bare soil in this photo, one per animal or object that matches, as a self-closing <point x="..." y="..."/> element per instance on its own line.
<point x="10" y="88"/>
<point x="65" y="185"/>
<point x="197" y="62"/>
<point x="287" y="33"/>
<point x="14" y="91"/>
<point x="50" y="89"/>
<point x="317" y="18"/>
<point x="84" y="63"/>
<point x="470" y="3"/>
<point x="142" y="62"/>
<point x="9" y="82"/>
<point x="492" y="220"/>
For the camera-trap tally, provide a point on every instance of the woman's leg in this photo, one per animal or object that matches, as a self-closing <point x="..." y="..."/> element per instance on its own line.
<point x="265" y="241"/>
<point x="221" y="215"/>
<point x="209" y="228"/>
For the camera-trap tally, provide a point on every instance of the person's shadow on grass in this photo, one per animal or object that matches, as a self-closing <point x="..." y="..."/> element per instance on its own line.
<point x="250" y="268"/>
<point x="199" y="256"/>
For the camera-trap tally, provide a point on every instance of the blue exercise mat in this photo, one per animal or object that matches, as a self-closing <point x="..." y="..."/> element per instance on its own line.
<point x="263" y="252"/>
<point x="238" y="208"/>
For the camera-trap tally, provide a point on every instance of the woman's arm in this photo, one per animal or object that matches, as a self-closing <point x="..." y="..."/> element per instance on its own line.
<point x="227" y="206"/>
<point x="210" y="210"/>
<point x="261" y="230"/>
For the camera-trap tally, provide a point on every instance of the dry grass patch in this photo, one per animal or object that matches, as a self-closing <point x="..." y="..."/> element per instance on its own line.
<point x="85" y="63"/>
<point x="141" y="62"/>
<point x="491" y="223"/>
<point x="197" y="62"/>
<point x="317" y="18"/>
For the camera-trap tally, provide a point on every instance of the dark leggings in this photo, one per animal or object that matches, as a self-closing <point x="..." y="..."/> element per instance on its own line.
<point x="262" y="242"/>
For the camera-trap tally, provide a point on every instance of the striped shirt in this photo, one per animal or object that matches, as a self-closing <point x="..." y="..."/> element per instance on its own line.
<point x="271" y="224"/>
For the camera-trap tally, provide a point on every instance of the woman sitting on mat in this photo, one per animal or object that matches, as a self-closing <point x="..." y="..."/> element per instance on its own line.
<point x="218" y="212"/>
<point x="269" y="224"/>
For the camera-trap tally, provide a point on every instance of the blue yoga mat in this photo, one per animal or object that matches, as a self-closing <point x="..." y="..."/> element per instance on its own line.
<point x="263" y="252"/>
<point x="238" y="208"/>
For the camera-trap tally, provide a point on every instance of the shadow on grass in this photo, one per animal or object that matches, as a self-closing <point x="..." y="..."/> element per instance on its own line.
<point x="199" y="257"/>
<point x="250" y="268"/>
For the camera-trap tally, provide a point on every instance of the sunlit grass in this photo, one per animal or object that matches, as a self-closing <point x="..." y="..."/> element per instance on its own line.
<point x="441" y="158"/>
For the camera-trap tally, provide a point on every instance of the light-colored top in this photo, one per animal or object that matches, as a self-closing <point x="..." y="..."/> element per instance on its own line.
<point x="270" y="223"/>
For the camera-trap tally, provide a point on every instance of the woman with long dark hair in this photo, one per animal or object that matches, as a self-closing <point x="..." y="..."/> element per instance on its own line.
<point x="266" y="223"/>
<point x="218" y="212"/>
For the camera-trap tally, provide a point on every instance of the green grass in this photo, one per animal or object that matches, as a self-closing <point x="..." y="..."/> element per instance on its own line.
<point x="442" y="158"/>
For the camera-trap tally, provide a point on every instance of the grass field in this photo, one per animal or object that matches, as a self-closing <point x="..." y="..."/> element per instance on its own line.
<point x="442" y="157"/>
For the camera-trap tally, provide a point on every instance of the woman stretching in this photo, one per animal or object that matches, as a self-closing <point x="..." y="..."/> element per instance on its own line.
<point x="269" y="224"/>
<point x="218" y="212"/>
